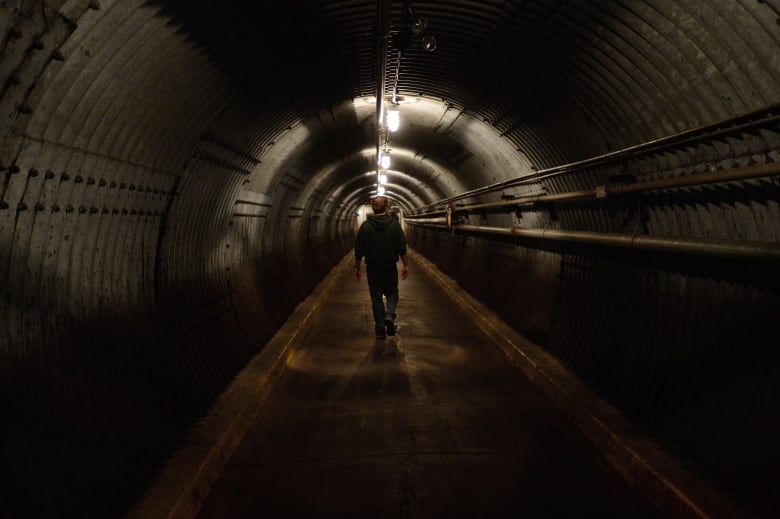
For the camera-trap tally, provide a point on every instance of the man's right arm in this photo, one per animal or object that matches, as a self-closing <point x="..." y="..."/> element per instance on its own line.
<point x="401" y="237"/>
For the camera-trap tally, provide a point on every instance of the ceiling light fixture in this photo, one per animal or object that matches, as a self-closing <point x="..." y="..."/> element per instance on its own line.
<point x="429" y="42"/>
<point x="419" y="25"/>
<point x="393" y="119"/>
<point x="388" y="117"/>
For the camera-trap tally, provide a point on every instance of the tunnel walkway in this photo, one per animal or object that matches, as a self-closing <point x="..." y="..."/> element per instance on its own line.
<point x="431" y="423"/>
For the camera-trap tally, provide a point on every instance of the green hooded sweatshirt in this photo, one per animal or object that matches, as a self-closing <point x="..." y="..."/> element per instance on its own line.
<point x="381" y="241"/>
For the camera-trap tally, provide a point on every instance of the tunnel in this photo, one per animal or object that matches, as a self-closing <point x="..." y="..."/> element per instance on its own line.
<point x="179" y="175"/>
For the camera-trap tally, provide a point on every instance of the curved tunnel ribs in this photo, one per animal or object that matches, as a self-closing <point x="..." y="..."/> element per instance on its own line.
<point x="178" y="175"/>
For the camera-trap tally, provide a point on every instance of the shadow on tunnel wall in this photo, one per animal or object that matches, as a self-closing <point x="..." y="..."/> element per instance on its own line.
<point x="687" y="350"/>
<point x="122" y="324"/>
<point x="92" y="416"/>
<point x="249" y="39"/>
<point x="126" y="317"/>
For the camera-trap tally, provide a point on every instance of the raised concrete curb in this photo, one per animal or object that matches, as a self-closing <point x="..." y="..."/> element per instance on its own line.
<point x="653" y="472"/>
<point x="186" y="480"/>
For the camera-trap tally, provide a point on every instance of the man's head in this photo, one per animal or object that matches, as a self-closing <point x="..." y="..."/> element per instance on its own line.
<point x="379" y="204"/>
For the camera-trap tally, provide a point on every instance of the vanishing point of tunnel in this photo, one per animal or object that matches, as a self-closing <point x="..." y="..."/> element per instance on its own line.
<point x="589" y="191"/>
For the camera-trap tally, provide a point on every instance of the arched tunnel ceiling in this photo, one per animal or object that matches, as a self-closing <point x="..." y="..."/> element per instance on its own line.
<point x="554" y="81"/>
<point x="338" y="156"/>
<point x="548" y="81"/>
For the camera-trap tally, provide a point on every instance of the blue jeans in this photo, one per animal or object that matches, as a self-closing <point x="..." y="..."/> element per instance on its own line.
<point x="383" y="283"/>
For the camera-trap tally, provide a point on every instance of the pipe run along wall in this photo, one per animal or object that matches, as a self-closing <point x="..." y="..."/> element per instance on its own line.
<point x="683" y="344"/>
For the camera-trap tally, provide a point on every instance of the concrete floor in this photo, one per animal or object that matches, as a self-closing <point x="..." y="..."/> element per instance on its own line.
<point x="432" y="423"/>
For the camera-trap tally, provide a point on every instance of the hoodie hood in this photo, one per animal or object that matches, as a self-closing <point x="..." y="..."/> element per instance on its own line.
<point x="380" y="223"/>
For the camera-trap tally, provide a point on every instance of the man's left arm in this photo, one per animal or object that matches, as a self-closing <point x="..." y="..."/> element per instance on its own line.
<point x="402" y="253"/>
<point x="359" y="253"/>
<point x="357" y="268"/>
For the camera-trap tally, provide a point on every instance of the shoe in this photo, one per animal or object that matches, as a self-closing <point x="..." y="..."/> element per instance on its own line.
<point x="380" y="332"/>
<point x="390" y="326"/>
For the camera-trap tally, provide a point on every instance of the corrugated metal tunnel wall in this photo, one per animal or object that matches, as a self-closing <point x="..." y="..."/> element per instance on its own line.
<point x="178" y="175"/>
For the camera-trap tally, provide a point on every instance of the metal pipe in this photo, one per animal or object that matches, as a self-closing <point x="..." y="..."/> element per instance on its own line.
<point x="382" y="35"/>
<point x="715" y="249"/>
<point x="750" y="120"/>
<point x="417" y="219"/>
<point x="748" y="172"/>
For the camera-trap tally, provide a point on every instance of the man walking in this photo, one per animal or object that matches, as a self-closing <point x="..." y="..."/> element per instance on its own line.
<point x="381" y="241"/>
